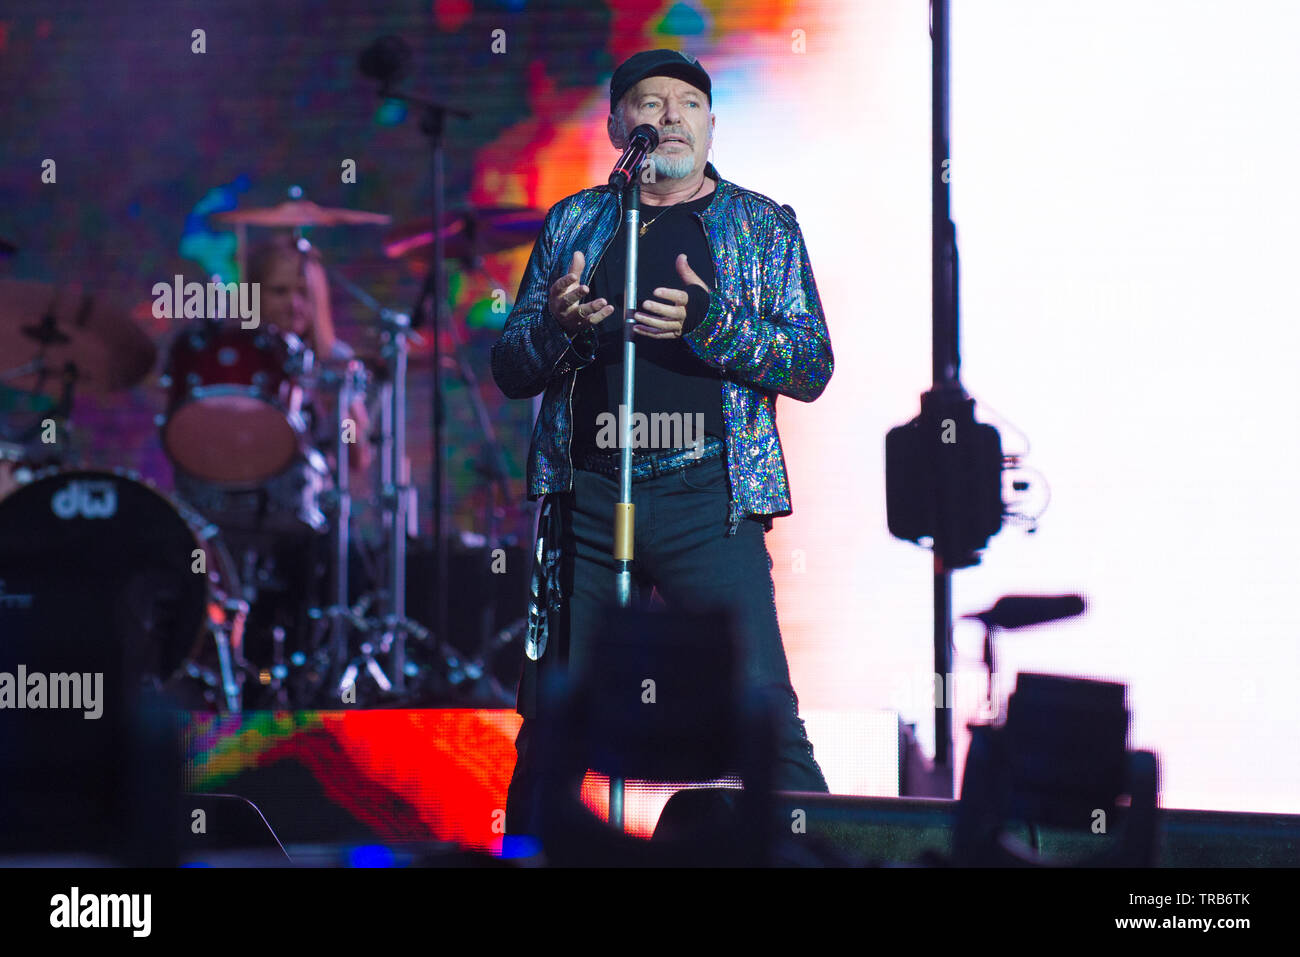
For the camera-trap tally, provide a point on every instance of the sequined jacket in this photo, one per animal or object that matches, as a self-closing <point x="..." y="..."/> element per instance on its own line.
<point x="764" y="332"/>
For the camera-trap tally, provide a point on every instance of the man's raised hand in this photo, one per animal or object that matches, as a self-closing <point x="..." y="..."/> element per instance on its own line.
<point x="565" y="300"/>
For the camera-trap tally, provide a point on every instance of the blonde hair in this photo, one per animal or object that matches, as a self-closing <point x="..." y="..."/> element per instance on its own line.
<point x="283" y="247"/>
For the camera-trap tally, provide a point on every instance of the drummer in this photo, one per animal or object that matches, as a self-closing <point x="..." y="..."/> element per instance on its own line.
<point x="294" y="297"/>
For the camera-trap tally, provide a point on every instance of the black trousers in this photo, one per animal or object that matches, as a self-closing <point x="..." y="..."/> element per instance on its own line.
<point x="684" y="552"/>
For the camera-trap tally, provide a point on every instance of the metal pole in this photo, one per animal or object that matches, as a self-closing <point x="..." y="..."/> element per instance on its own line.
<point x="401" y="491"/>
<point x="343" y="514"/>
<point x="624" y="511"/>
<point x="946" y="362"/>
<point x="435" y="122"/>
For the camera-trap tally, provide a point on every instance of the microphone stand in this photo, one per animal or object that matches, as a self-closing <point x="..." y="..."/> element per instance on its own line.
<point x="624" y="511"/>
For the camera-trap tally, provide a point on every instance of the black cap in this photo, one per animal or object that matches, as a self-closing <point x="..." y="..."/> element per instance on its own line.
<point x="680" y="66"/>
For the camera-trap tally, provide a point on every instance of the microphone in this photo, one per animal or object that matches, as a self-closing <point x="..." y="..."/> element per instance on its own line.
<point x="1021" y="611"/>
<point x="387" y="60"/>
<point x="642" y="141"/>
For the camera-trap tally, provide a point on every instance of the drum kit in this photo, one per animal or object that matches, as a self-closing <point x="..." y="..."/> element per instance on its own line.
<point x="245" y="587"/>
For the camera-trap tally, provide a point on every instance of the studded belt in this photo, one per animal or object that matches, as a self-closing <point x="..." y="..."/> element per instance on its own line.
<point x="648" y="465"/>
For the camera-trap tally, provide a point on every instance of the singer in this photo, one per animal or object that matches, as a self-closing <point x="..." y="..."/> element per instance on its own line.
<point x="729" y="319"/>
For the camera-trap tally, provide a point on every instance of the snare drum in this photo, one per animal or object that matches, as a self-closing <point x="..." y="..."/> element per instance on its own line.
<point x="234" y="404"/>
<point x="288" y="504"/>
<point x="98" y="555"/>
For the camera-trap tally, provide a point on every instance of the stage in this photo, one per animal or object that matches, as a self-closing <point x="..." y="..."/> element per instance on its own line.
<point x="342" y="788"/>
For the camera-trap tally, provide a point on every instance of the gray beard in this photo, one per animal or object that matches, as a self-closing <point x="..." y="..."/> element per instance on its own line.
<point x="673" y="167"/>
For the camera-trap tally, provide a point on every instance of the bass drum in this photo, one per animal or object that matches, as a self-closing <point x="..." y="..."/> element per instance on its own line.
<point x="88" y="557"/>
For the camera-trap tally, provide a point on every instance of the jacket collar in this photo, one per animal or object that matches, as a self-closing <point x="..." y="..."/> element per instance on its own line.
<point x="722" y="187"/>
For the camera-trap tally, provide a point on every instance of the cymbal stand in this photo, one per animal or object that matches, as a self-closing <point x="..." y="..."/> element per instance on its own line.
<point x="395" y="506"/>
<point x="35" y="366"/>
<point x="396" y="493"/>
<point x="346" y="385"/>
<point x="396" y="488"/>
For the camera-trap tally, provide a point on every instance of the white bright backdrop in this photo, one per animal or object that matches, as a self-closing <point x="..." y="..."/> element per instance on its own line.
<point x="1127" y="220"/>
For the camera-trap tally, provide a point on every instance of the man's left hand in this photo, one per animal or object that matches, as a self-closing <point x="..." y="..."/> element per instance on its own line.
<point x="663" y="316"/>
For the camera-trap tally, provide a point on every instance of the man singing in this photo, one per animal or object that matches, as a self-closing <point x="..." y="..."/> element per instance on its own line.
<point x="729" y="318"/>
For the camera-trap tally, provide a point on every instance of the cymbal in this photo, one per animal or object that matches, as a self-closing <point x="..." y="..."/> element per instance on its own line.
<point x="300" y="212"/>
<point x="468" y="232"/>
<point x="73" y="327"/>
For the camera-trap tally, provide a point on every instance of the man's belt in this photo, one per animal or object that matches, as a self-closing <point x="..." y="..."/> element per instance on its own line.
<point x="648" y="465"/>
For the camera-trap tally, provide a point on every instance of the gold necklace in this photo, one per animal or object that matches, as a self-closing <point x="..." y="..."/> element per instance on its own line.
<point x="646" y="226"/>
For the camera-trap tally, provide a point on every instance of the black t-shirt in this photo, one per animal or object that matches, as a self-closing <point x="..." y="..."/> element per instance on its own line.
<point x="670" y="378"/>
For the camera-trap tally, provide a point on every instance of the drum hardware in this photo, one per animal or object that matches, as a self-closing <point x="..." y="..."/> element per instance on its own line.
<point x="341" y="619"/>
<point x="378" y="638"/>
<point x="297" y="213"/>
<point x="343" y="630"/>
<point x="28" y="421"/>
<point x="455" y="672"/>
<point x="20" y="461"/>
<point x="57" y="332"/>
<point x="235" y="433"/>
<point x="288" y="670"/>
<point x="396" y="489"/>
<point x="471" y="233"/>
<point x="38" y="367"/>
<point x="62" y="339"/>
<point x="227" y="627"/>
<point x="396" y="506"/>
<point x="385" y="634"/>
<point x="274" y="678"/>
<point x="377" y="650"/>
<point x="468" y="232"/>
<point x="259" y="474"/>
<point x="346" y="386"/>
<point x="291" y="504"/>
<point x="353" y="615"/>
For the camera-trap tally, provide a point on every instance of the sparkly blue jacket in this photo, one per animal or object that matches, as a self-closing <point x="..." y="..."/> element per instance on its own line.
<point x="764" y="332"/>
